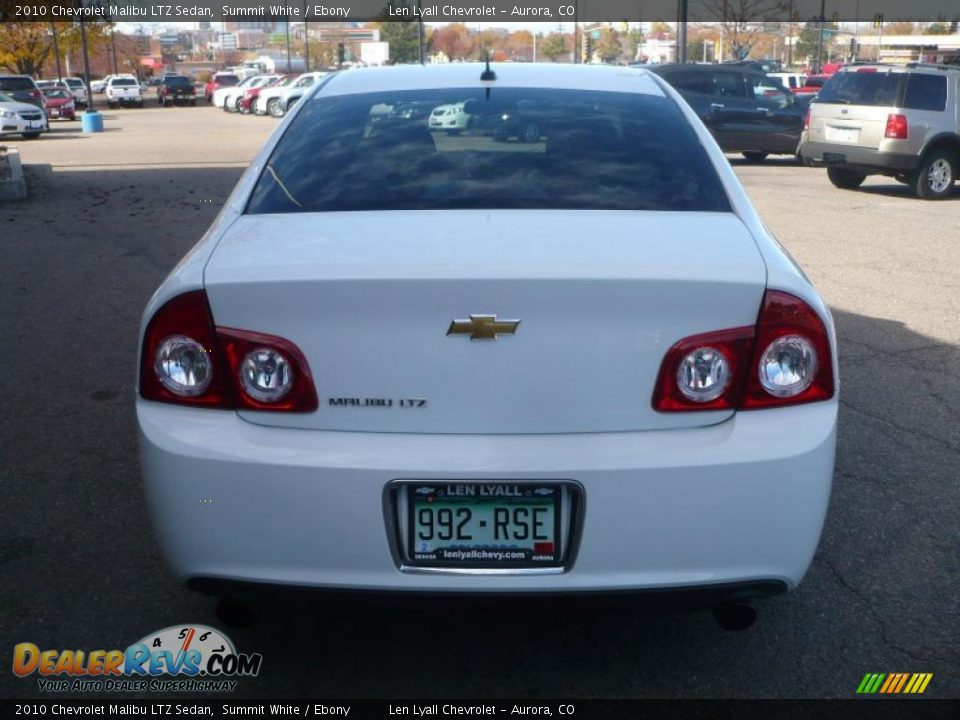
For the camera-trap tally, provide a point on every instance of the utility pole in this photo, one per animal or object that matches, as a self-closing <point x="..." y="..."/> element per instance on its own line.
<point x="681" y="31"/>
<point x="289" y="66"/>
<point x="576" y="31"/>
<point x="420" y="29"/>
<point x="56" y="49"/>
<point x="306" y="40"/>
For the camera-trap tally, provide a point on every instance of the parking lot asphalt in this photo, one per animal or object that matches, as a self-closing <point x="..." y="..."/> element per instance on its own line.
<point x="110" y="214"/>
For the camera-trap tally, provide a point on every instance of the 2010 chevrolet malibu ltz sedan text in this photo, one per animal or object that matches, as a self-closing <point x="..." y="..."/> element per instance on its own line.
<point x="407" y="360"/>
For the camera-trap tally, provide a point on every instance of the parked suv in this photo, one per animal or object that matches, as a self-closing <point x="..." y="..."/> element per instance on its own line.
<point x="21" y="88"/>
<point x="745" y="110"/>
<point x="902" y="121"/>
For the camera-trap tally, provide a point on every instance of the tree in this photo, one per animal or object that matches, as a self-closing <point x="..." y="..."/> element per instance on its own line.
<point x="455" y="41"/>
<point x="553" y="47"/>
<point x="741" y="20"/>
<point x="520" y="44"/>
<point x="608" y="47"/>
<point x="24" y="46"/>
<point x="403" y="39"/>
<point x="898" y="28"/>
<point x="806" y="45"/>
<point x="937" y="28"/>
<point x="634" y="42"/>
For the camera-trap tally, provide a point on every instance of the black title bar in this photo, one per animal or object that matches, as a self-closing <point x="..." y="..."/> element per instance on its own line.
<point x="496" y="11"/>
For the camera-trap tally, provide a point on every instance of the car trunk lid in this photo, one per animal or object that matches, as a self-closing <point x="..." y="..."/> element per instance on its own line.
<point x="600" y="296"/>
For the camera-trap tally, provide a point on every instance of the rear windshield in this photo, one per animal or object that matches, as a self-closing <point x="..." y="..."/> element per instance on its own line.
<point x="74" y="83"/>
<point x="517" y="148"/>
<point x="124" y="82"/>
<point x="177" y="82"/>
<point x="226" y="79"/>
<point x="13" y="84"/>
<point x="880" y="89"/>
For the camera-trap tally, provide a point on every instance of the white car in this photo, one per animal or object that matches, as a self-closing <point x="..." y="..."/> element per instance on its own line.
<point x="270" y="94"/>
<point x="399" y="361"/>
<point x="791" y="81"/>
<point x="18" y="118"/>
<point x="78" y="89"/>
<point x="280" y="104"/>
<point x="449" y="118"/>
<point x="124" y="90"/>
<point x="229" y="97"/>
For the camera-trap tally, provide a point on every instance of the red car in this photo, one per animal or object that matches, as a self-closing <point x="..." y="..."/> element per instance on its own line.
<point x="245" y="103"/>
<point x="219" y="80"/>
<point x="59" y="103"/>
<point x="813" y="85"/>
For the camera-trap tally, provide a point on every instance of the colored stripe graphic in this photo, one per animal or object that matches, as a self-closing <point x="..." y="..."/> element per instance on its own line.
<point x="894" y="683"/>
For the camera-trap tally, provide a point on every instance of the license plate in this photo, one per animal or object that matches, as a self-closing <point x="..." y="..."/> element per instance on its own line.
<point x="36" y="124"/>
<point x="842" y="134"/>
<point x="484" y="524"/>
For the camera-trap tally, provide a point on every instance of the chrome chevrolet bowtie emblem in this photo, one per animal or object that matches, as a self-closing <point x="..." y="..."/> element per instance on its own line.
<point x="483" y="327"/>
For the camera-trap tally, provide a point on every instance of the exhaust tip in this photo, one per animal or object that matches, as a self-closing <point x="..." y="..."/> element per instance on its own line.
<point x="739" y="616"/>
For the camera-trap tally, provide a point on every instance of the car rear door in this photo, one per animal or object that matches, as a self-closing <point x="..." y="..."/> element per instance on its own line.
<point x="777" y="121"/>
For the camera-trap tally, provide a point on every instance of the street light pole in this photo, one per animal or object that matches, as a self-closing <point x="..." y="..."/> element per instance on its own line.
<point x="289" y="67"/>
<point x="819" y="64"/>
<point x="86" y="65"/>
<point x="113" y="43"/>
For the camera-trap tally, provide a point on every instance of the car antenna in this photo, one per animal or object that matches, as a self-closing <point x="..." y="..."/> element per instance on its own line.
<point x="488" y="75"/>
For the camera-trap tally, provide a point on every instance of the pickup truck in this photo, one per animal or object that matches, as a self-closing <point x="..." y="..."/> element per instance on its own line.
<point x="124" y="90"/>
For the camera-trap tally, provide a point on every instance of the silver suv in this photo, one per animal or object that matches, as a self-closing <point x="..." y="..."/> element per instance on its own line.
<point x="897" y="120"/>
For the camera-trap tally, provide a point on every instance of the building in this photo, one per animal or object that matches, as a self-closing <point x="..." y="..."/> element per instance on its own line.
<point x="266" y="27"/>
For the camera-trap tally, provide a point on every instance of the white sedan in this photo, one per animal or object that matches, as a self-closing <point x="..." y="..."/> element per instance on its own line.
<point x="21" y="118"/>
<point x="404" y="361"/>
<point x="229" y="98"/>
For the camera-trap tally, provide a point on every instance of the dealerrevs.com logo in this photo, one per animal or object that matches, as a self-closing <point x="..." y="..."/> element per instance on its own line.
<point x="184" y="658"/>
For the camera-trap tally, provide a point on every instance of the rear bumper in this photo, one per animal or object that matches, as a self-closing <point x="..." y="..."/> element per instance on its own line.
<point x="738" y="502"/>
<point x="856" y="158"/>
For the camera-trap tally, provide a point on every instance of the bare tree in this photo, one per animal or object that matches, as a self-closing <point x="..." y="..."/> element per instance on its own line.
<point x="742" y="20"/>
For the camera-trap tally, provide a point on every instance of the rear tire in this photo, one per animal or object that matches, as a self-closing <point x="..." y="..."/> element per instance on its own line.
<point x="936" y="175"/>
<point x="273" y="107"/>
<point x="844" y="178"/>
<point x="754" y="157"/>
<point x="237" y="107"/>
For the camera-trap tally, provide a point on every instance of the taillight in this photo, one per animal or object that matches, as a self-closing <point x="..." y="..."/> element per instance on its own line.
<point x="186" y="360"/>
<point x="806" y="120"/>
<point x="180" y="361"/>
<point x="270" y="373"/>
<point x="791" y="363"/>
<point x="704" y="372"/>
<point x="896" y="127"/>
<point x="784" y="360"/>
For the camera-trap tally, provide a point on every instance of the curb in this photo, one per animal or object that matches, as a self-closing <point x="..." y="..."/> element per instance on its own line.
<point x="16" y="187"/>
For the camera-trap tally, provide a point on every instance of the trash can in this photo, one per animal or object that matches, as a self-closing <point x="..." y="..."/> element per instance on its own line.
<point x="91" y="121"/>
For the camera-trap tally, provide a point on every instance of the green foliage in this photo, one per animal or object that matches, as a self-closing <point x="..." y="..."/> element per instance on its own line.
<point x="553" y="47"/>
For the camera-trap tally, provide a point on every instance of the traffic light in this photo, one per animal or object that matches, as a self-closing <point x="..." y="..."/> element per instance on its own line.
<point x="878" y="20"/>
<point x="586" y="47"/>
<point x="835" y="21"/>
<point x="341" y="53"/>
